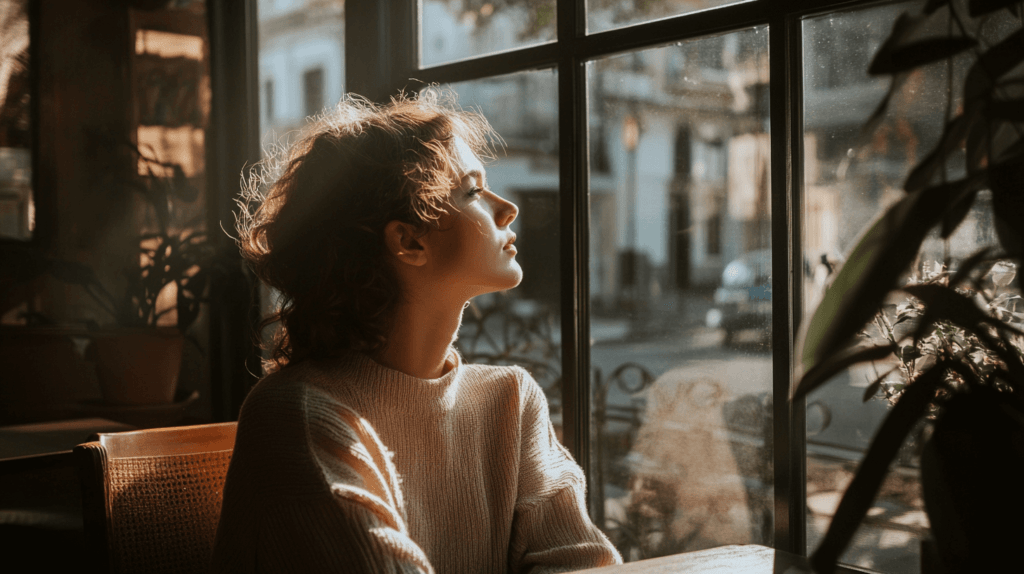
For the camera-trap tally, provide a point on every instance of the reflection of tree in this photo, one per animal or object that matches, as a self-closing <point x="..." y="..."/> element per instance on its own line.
<point x="14" y="65"/>
<point x="540" y="14"/>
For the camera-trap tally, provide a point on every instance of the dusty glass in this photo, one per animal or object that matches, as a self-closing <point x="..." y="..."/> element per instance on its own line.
<point x="609" y="14"/>
<point x="680" y="293"/>
<point x="849" y="179"/>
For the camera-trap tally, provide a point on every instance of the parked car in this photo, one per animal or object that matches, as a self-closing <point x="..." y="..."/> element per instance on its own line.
<point x="744" y="300"/>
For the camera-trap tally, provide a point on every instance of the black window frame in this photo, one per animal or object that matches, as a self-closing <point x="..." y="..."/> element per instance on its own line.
<point x="386" y="62"/>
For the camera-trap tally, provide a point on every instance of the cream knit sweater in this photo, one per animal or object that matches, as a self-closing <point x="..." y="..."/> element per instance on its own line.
<point x="343" y="465"/>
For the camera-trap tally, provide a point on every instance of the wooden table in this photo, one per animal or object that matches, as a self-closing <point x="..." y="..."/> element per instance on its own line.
<point x="745" y="559"/>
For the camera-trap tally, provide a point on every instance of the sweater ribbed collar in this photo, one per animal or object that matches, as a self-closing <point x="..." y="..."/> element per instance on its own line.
<point x="439" y="392"/>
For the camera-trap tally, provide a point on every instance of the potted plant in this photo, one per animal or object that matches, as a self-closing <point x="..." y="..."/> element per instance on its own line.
<point x="137" y="358"/>
<point x="953" y="329"/>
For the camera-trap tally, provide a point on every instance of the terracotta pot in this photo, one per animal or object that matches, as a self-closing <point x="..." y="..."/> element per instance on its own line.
<point x="138" y="366"/>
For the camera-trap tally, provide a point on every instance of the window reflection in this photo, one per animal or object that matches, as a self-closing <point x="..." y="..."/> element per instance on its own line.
<point x="680" y="292"/>
<point x="17" y="207"/>
<point x="457" y="29"/>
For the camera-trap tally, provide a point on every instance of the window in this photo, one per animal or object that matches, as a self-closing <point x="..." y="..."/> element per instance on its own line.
<point x="268" y="101"/>
<point x="313" y="91"/>
<point x="648" y="147"/>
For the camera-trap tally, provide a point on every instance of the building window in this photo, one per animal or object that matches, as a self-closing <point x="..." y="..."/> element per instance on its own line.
<point x="313" y="91"/>
<point x="268" y="100"/>
<point x="641" y="150"/>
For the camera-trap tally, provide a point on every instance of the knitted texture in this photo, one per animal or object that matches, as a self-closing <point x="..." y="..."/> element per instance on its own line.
<point x="164" y="511"/>
<point x="345" y="465"/>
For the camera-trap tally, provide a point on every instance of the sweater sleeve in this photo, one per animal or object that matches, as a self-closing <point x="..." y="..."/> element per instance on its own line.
<point x="551" y="530"/>
<point x="359" y="527"/>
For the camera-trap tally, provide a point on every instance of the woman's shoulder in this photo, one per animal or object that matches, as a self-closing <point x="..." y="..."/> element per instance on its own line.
<point x="507" y="379"/>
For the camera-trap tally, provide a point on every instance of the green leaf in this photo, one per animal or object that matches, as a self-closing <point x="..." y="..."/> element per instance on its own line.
<point x="904" y="26"/>
<point x="859" y="496"/>
<point x="1006" y="179"/>
<point x="944" y="303"/>
<point x="876" y="117"/>
<point x="957" y="213"/>
<point x="838" y="362"/>
<point x="952" y="137"/>
<point x="920" y="53"/>
<point x="981" y="7"/>
<point x="991" y="65"/>
<point x="977" y="146"/>
<point x="879" y="257"/>
<point x="872" y="389"/>
<point x="969" y="265"/>
<point x="1010" y="110"/>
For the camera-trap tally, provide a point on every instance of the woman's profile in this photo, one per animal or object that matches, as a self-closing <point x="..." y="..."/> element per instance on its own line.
<point x="371" y="446"/>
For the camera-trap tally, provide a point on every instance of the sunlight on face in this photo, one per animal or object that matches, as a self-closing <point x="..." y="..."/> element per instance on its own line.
<point x="476" y="249"/>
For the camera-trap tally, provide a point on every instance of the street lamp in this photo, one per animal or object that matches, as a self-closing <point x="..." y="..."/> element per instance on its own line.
<point x="630" y="279"/>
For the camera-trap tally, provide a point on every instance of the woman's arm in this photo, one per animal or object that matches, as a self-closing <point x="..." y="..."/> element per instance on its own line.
<point x="551" y="530"/>
<point x="358" y="524"/>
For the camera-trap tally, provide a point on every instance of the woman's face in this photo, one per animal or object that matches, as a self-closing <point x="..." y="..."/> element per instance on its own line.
<point x="474" y="241"/>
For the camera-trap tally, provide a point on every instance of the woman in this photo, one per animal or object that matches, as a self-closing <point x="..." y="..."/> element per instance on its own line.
<point x="371" y="447"/>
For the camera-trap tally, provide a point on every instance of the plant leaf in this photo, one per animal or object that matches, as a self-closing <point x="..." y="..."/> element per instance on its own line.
<point x="942" y="302"/>
<point x="920" y="53"/>
<point x="903" y="27"/>
<point x="876" y="117"/>
<point x="957" y="212"/>
<point x="1010" y="110"/>
<point x="837" y="362"/>
<point x="991" y="65"/>
<point x="858" y="497"/>
<point x="981" y="7"/>
<point x="1006" y="179"/>
<point x="952" y="136"/>
<point x="968" y="266"/>
<point x="872" y="389"/>
<point x="881" y="254"/>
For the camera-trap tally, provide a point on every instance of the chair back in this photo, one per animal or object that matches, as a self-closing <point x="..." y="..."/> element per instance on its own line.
<point x="151" y="499"/>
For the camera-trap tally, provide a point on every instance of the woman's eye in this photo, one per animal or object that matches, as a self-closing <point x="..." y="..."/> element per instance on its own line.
<point x="475" y="191"/>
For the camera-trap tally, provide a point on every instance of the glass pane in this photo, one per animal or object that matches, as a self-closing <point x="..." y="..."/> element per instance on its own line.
<point x="680" y="290"/>
<point x="849" y="180"/>
<point x="17" y="208"/>
<point x="301" y="62"/>
<point x="458" y="29"/>
<point x="608" y="14"/>
<point x="522" y="326"/>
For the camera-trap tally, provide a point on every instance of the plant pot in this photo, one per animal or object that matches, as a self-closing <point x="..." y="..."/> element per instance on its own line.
<point x="44" y="373"/>
<point x="138" y="366"/>
<point x="972" y="469"/>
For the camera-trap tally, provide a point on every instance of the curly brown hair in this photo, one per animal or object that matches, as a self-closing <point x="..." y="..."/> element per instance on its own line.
<point x="316" y="234"/>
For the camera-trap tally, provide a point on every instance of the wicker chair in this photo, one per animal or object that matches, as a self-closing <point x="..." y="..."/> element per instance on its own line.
<point x="151" y="499"/>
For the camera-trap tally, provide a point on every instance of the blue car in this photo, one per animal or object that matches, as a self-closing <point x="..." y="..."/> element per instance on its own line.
<point x="743" y="302"/>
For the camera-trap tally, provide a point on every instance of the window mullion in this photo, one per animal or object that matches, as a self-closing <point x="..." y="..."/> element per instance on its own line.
<point x="574" y="229"/>
<point x="788" y="436"/>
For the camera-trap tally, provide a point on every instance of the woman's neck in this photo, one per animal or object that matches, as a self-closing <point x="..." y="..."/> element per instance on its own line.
<point x="421" y="333"/>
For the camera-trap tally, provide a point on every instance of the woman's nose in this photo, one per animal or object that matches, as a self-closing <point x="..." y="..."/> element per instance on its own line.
<point x="505" y="212"/>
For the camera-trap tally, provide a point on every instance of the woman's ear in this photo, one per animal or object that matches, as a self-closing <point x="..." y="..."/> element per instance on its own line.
<point x="402" y="241"/>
